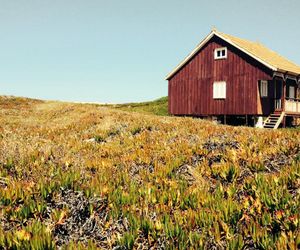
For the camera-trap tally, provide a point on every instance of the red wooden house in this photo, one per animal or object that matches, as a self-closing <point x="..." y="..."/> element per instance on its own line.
<point x="230" y="78"/>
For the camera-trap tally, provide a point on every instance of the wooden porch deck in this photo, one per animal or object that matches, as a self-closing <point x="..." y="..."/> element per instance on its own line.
<point x="292" y="106"/>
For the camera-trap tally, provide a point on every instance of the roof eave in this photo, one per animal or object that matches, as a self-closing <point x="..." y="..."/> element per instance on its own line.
<point x="204" y="41"/>
<point x="288" y="72"/>
<point x="187" y="58"/>
<point x="248" y="53"/>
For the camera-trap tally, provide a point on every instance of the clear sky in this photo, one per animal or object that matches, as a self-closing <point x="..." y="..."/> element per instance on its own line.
<point x="117" y="51"/>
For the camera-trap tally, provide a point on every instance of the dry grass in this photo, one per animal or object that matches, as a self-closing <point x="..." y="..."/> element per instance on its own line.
<point x="138" y="180"/>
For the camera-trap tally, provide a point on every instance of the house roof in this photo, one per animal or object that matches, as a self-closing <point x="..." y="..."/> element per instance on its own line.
<point x="256" y="50"/>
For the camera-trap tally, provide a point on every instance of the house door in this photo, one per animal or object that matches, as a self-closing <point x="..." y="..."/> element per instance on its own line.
<point x="278" y="95"/>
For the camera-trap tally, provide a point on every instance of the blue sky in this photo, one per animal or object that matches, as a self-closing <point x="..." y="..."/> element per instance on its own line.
<point x="120" y="51"/>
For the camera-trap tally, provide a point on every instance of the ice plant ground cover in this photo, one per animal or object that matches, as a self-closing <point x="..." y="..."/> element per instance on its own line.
<point x="86" y="176"/>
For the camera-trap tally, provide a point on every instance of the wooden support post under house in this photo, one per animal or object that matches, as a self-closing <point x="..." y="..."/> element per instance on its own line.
<point x="284" y="122"/>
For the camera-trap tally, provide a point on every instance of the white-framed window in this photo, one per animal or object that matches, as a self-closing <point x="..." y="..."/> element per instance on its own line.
<point x="219" y="90"/>
<point x="220" y="53"/>
<point x="263" y="88"/>
<point x="291" y="92"/>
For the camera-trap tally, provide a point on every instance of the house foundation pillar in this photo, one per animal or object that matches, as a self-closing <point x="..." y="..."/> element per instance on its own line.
<point x="259" y="121"/>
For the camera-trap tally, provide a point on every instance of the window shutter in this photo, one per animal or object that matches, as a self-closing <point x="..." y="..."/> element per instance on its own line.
<point x="263" y="88"/>
<point x="219" y="90"/>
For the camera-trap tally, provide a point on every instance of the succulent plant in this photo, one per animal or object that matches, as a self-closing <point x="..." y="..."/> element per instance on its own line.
<point x="143" y="181"/>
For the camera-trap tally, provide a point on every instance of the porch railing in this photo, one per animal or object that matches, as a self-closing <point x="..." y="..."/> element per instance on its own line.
<point x="292" y="105"/>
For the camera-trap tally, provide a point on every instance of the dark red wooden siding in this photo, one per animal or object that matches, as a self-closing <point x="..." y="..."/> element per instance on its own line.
<point x="190" y="89"/>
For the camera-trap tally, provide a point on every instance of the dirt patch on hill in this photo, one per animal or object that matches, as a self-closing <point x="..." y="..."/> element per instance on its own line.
<point x="85" y="219"/>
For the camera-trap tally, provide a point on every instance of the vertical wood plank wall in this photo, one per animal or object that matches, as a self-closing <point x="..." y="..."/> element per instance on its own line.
<point x="190" y="89"/>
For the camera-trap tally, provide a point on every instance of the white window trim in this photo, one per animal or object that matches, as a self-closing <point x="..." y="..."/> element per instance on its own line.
<point x="291" y="87"/>
<point x="220" y="57"/>
<point x="263" y="87"/>
<point x="219" y="90"/>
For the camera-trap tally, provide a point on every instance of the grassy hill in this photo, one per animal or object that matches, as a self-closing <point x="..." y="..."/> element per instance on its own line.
<point x="86" y="176"/>
<point x="156" y="107"/>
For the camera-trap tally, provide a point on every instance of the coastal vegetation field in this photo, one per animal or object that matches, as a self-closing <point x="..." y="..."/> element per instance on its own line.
<point x="78" y="176"/>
